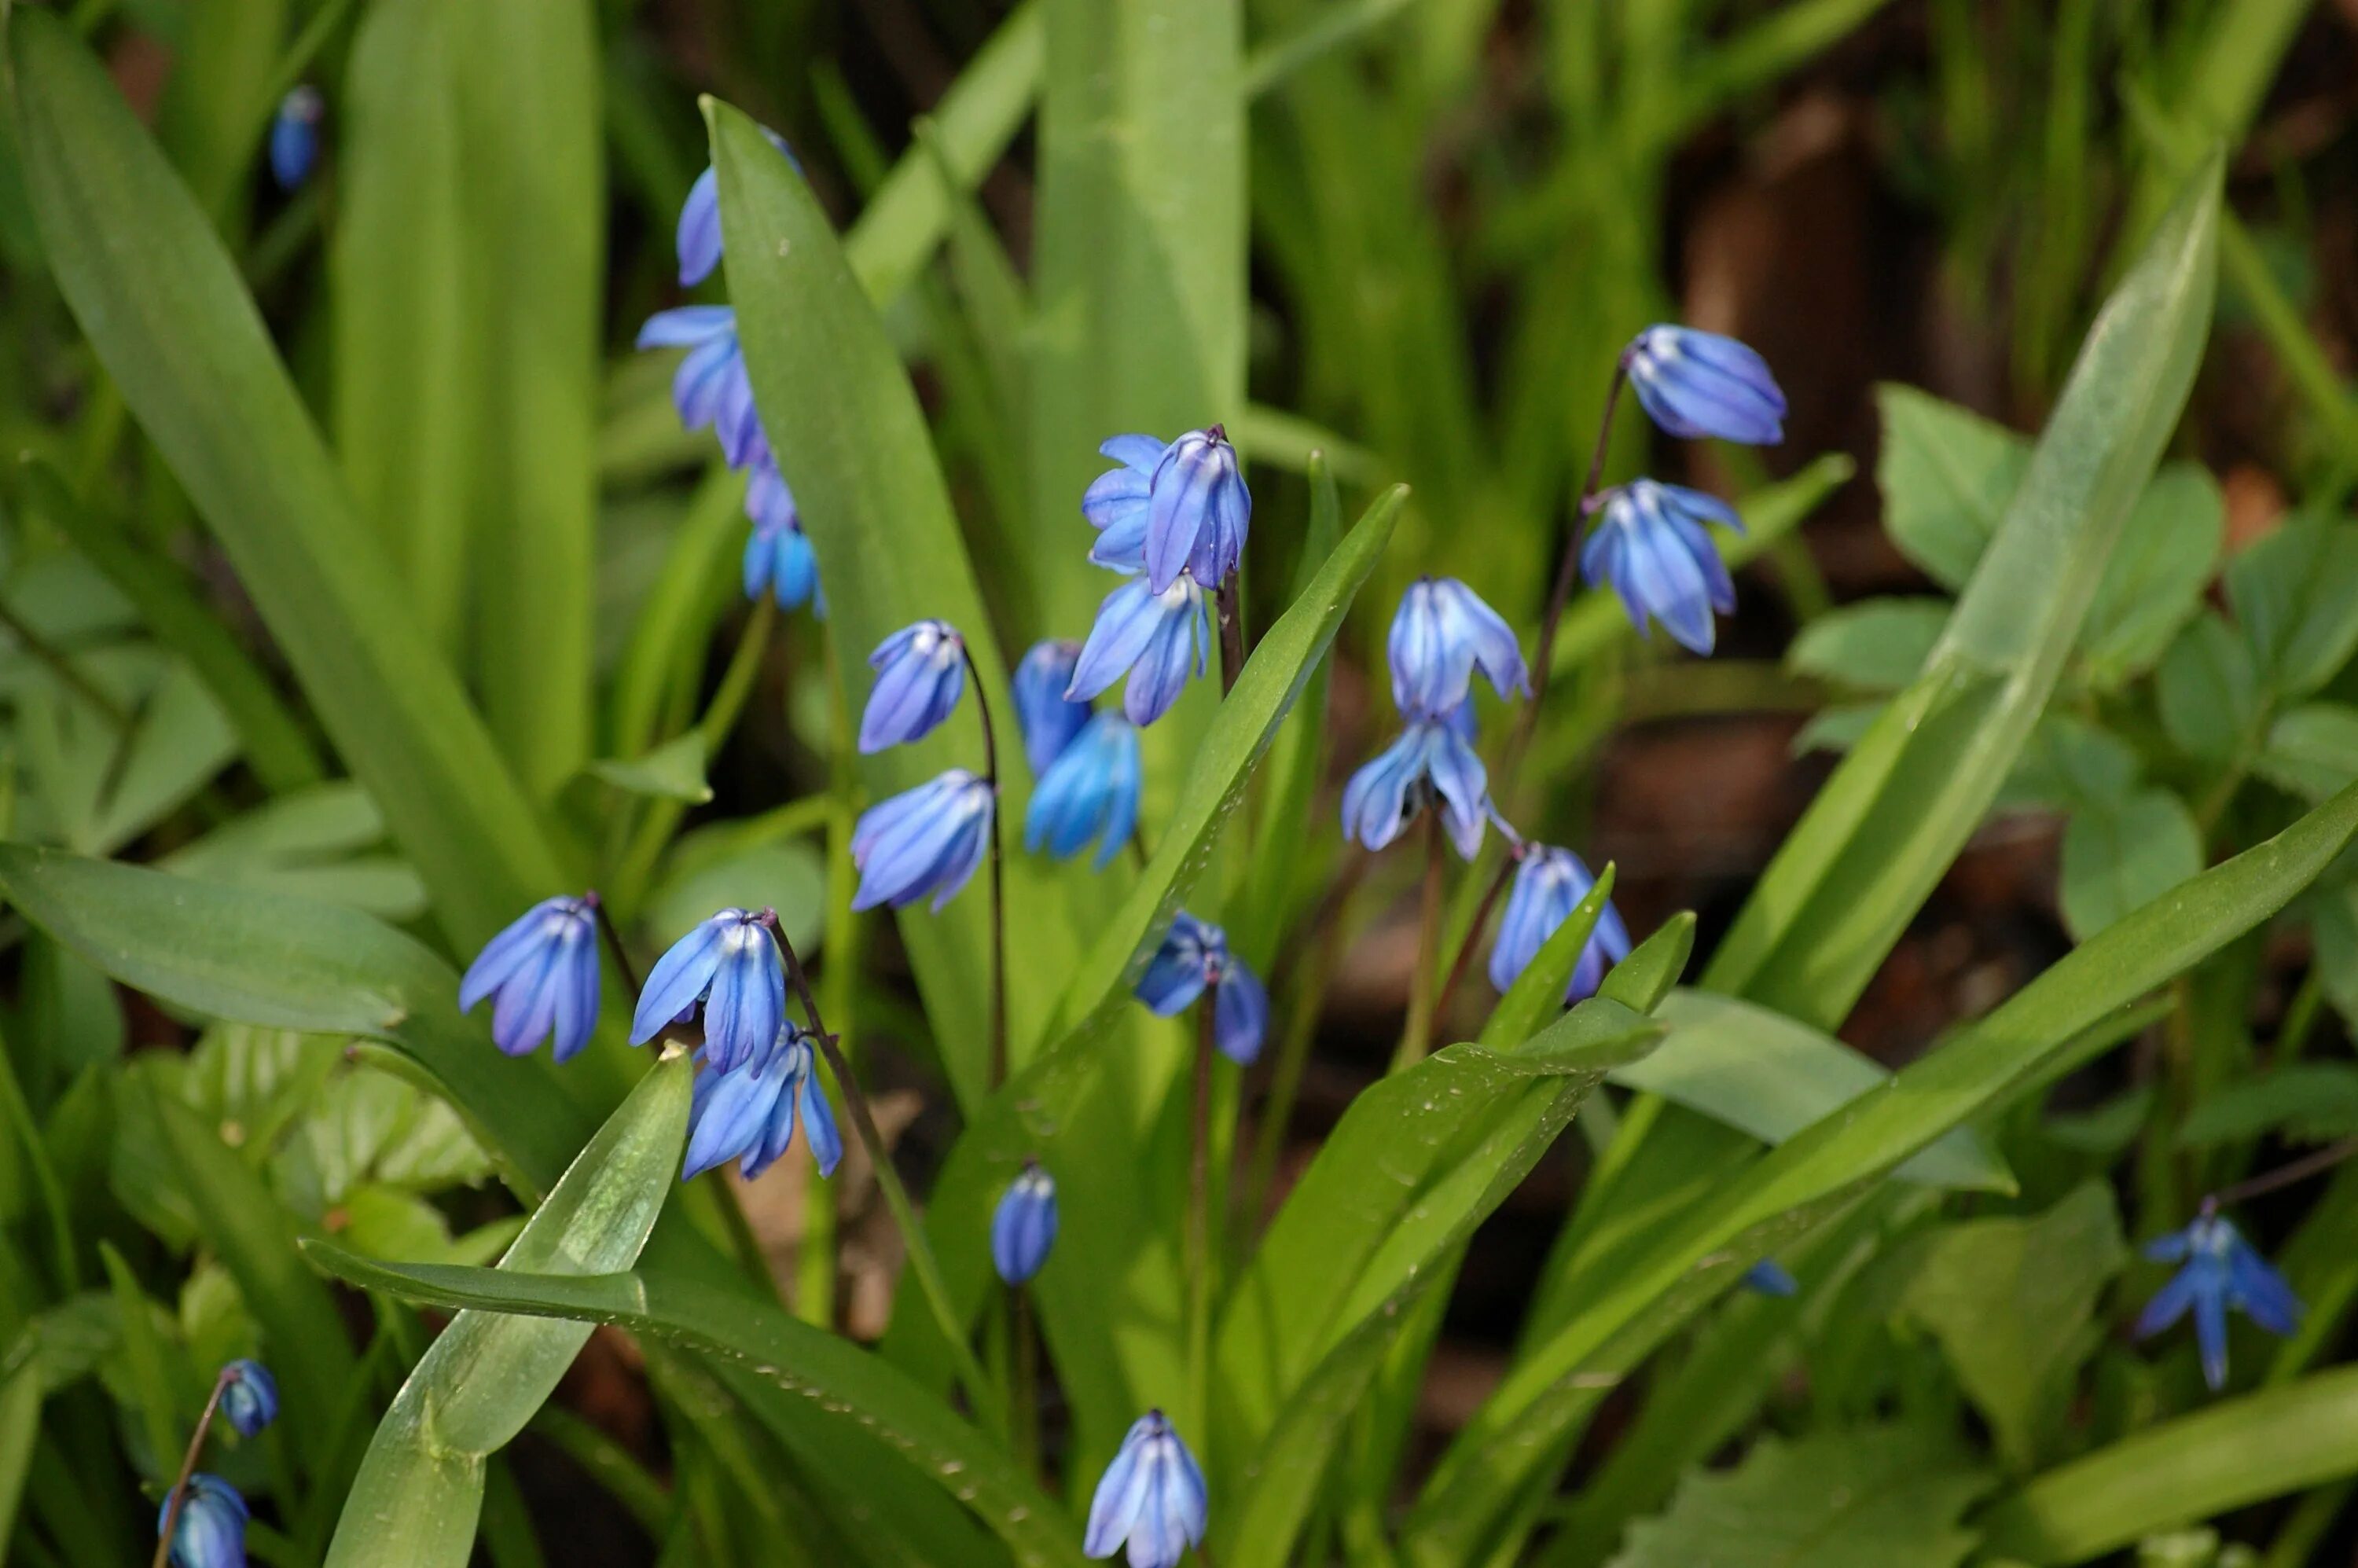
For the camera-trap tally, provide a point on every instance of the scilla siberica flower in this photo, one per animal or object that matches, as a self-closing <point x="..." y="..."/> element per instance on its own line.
<point x="1157" y="639"/>
<point x="1441" y="635"/>
<point x="730" y="963"/>
<point x="749" y="1112"/>
<point x="1192" y="515"/>
<point x="925" y="840"/>
<point x="1697" y="385"/>
<point x="1194" y="954"/>
<point x="1650" y="543"/>
<point x="778" y="557"/>
<point x="1090" y="791"/>
<point x="1048" y="718"/>
<point x="249" y="1396"/>
<point x="1549" y="885"/>
<point x="2220" y="1271"/>
<point x="210" y="1530"/>
<point x="1152" y="1496"/>
<point x="699" y="218"/>
<point x="544" y="969"/>
<point x="1769" y="1277"/>
<point x="711" y="387"/>
<point x="1024" y="1226"/>
<point x="1432" y="759"/>
<point x="295" y="135"/>
<point x="920" y="674"/>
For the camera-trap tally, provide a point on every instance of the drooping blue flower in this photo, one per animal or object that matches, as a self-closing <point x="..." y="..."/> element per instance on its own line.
<point x="1197" y="511"/>
<point x="1432" y="758"/>
<point x="1769" y="1277"/>
<point x="1047" y="717"/>
<point x="1194" y="954"/>
<point x="1549" y="885"/>
<point x="249" y="1396"/>
<point x="711" y="387"/>
<point x="1152" y="1496"/>
<point x="778" y="554"/>
<point x="1650" y="543"/>
<point x="1089" y="792"/>
<point x="923" y="840"/>
<point x="1115" y="502"/>
<point x="1158" y="639"/>
<point x="730" y="963"/>
<point x="1442" y="633"/>
<point x="920" y="674"/>
<point x="2220" y="1271"/>
<point x="749" y="1112"/>
<point x="295" y="135"/>
<point x="210" y="1530"/>
<point x="544" y="969"/>
<point x="699" y="218"/>
<point x="1024" y="1227"/>
<point x="1697" y="385"/>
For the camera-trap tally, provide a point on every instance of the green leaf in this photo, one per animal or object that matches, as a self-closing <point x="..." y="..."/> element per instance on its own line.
<point x="2121" y="856"/>
<point x="311" y="845"/>
<point x="2295" y="593"/>
<point x="672" y="771"/>
<point x="2154" y="580"/>
<point x="1539" y="991"/>
<point x="2208" y="690"/>
<point x="1947" y="476"/>
<point x="1876" y="644"/>
<point x="2312" y="751"/>
<point x="2070" y="763"/>
<point x="2309" y="1102"/>
<point x="1643" y="979"/>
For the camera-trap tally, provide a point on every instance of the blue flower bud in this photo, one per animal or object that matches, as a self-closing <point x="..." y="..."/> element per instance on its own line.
<point x="209" y="1531"/>
<point x="1197" y="512"/>
<point x="1157" y="639"/>
<point x="778" y="554"/>
<point x="1770" y="1278"/>
<point x="1432" y="759"/>
<point x="1650" y="543"/>
<point x="1152" y="1496"/>
<point x="295" y="136"/>
<point x="1089" y="792"/>
<point x="749" y="1112"/>
<point x="1699" y="383"/>
<point x="920" y="674"/>
<point x="925" y="840"/>
<point x="699" y="239"/>
<point x="1549" y="885"/>
<point x="711" y="387"/>
<point x="1442" y="633"/>
<point x="730" y="964"/>
<point x="2220" y="1271"/>
<point x="1024" y="1227"/>
<point x="1049" y="721"/>
<point x="249" y="1397"/>
<point x="1194" y="954"/>
<point x="544" y="969"/>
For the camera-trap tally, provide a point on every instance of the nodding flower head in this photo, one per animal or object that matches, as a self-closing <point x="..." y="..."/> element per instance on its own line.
<point x="210" y="1530"/>
<point x="1024" y="1227"/>
<point x="1768" y="1278"/>
<point x="1431" y="761"/>
<point x="1152" y="1496"/>
<point x="249" y="1396"/>
<point x="699" y="218"/>
<point x="778" y="554"/>
<point x="1442" y="633"/>
<point x="1159" y="640"/>
<point x="1549" y="885"/>
<point x="295" y="135"/>
<point x="1048" y="718"/>
<point x="711" y="387"/>
<point x="730" y="964"/>
<point x="920" y="674"/>
<point x="1115" y="502"/>
<point x="749" y="1112"/>
<point x="544" y="969"/>
<point x="1090" y="791"/>
<point x="1194" y="954"/>
<point x="2220" y="1271"/>
<point x="1651" y="544"/>
<point x="1197" y="511"/>
<point x="1698" y="384"/>
<point x="925" y="840"/>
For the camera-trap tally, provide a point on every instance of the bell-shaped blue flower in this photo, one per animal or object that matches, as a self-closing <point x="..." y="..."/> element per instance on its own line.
<point x="1115" y="502"/>
<point x="544" y="969"/>
<point x="1197" y="511"/>
<point x="2220" y="1271"/>
<point x="1650" y="543"/>
<point x="730" y="964"/>
<point x="295" y="135"/>
<point x="699" y="218"/>
<point x="920" y="674"/>
<point x="778" y="556"/>
<point x="1769" y="1277"/>
<point x="923" y="840"/>
<point x="1432" y="759"/>
<point x="1442" y="633"/>
<point x="710" y="387"/>
<point x="1157" y="639"/>
<point x="249" y="1396"/>
<point x="1089" y="792"/>
<point x="1152" y="1496"/>
<point x="1194" y="954"/>
<point x="1048" y="718"/>
<point x="1024" y="1227"/>
<point x="210" y="1530"/>
<point x="1549" y="885"/>
<point x="749" y="1112"/>
<point x="1699" y="383"/>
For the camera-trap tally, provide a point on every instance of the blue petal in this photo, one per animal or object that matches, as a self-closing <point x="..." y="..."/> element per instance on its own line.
<point x="1121" y="1492"/>
<point x="1140" y="453"/>
<point x="577" y="996"/>
<point x="1240" y="1014"/>
<point x="2261" y="1292"/>
<point x="508" y="952"/>
<point x="748" y="998"/>
<point x="819" y="1126"/>
<point x="2211" y="1331"/>
<point x="698" y="240"/>
<point x="1126" y="621"/>
<point x="679" y="977"/>
<point x="2169" y="1305"/>
<point x="1375" y="801"/>
<point x="687" y="326"/>
<point x="728" y="1118"/>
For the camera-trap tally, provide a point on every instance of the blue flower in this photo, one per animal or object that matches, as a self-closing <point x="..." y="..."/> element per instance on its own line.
<point x="778" y="554"/>
<point x="1430" y="757"/>
<point x="926" y="840"/>
<point x="1548" y="884"/>
<point x="295" y="135"/>
<point x="1770" y="1278"/>
<point x="1115" y="502"/>
<point x="2220" y="1271"/>
<point x="1089" y="792"/>
<point x="1197" y="511"/>
<point x="1700" y="383"/>
<point x="699" y="218"/>
<point x="711" y="387"/>
<point x="1158" y="639"/>
<point x="1441" y="635"/>
<point x="210" y="1530"/>
<point x="1194" y="954"/>
<point x="544" y="969"/>
<point x="1152" y="1496"/>
<point x="749" y="1111"/>
<point x="730" y="963"/>
<point x="1024" y="1227"/>
<point x="920" y="673"/>
<point x="249" y="1396"/>
<point x="1048" y="720"/>
<point x="1650" y="543"/>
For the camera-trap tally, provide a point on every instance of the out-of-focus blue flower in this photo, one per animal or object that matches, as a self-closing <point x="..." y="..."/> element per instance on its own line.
<point x="1770" y="1278"/>
<point x="1115" y="502"/>
<point x="730" y="963"/>
<point x="778" y="556"/>
<point x="1650" y="543"/>
<point x="1197" y="511"/>
<point x="1024" y="1227"/>
<point x="1152" y="1496"/>
<point x="210" y="1530"/>
<point x="1194" y="954"/>
<point x="920" y="674"/>
<point x="1442" y="633"/>
<point x="925" y="840"/>
<point x="249" y="1396"/>
<point x="1700" y="383"/>
<point x="1432" y="757"/>
<point x="711" y="387"/>
<point x="699" y="218"/>
<point x="1549" y="885"/>
<point x="749" y="1111"/>
<point x="544" y="969"/>
<point x="1090" y="791"/>
<point x="1047" y="717"/>
<point x="295" y="135"/>
<point x="2220" y="1271"/>
<point x="1158" y="639"/>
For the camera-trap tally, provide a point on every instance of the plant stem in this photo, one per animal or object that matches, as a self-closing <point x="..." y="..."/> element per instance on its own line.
<point x="1025" y="1402"/>
<point x="613" y="942"/>
<point x="1459" y="966"/>
<point x="1232" y="633"/>
<point x="1416" y="1034"/>
<point x="2300" y="1170"/>
<point x="998" y="887"/>
<point x="187" y="1467"/>
<point x="1199" y="1213"/>
<point x="1293" y="1052"/>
